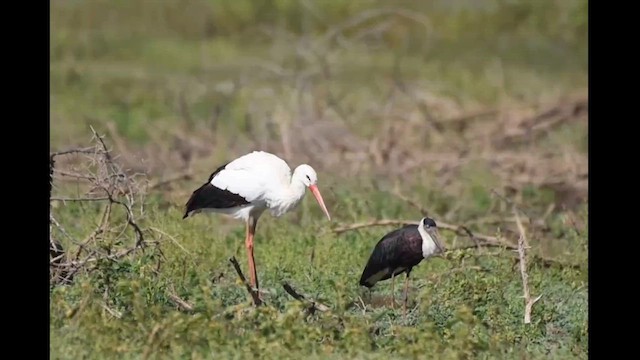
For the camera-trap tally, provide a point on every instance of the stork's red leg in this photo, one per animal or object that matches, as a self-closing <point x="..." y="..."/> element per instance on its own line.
<point x="251" y="228"/>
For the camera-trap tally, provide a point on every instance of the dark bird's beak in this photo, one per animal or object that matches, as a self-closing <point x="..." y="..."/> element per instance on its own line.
<point x="435" y="235"/>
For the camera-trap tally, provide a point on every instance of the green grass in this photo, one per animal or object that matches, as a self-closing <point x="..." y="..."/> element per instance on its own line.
<point x="215" y="79"/>
<point x="464" y="306"/>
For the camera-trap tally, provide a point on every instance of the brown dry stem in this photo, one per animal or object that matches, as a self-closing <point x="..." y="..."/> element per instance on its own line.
<point x="480" y="240"/>
<point x="313" y="304"/>
<point x="522" y="247"/>
<point x="250" y="290"/>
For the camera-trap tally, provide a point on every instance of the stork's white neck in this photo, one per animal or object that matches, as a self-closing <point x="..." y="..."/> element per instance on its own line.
<point x="288" y="197"/>
<point x="428" y="245"/>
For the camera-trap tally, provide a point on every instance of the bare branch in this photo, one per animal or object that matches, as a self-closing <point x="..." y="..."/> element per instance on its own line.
<point x="173" y="239"/>
<point x="252" y="292"/>
<point x="411" y="202"/>
<point x="182" y="304"/>
<point x="458" y="229"/>
<point x="109" y="184"/>
<point x="314" y="305"/>
<point x="178" y="177"/>
<point x="522" y="246"/>
<point x="79" y="199"/>
<point x="86" y="150"/>
<point x="480" y="240"/>
<point x="137" y="229"/>
<point x="107" y="154"/>
<point x="510" y="202"/>
<point x="115" y="313"/>
<point x="363" y="16"/>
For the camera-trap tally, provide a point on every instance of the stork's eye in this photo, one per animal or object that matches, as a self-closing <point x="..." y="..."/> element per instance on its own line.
<point x="308" y="178"/>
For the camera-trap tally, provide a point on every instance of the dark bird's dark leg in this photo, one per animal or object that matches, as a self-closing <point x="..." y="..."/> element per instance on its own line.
<point x="406" y="294"/>
<point x="393" y="292"/>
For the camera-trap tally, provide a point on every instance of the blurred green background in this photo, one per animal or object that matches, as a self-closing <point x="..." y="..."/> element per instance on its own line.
<point x="139" y="63"/>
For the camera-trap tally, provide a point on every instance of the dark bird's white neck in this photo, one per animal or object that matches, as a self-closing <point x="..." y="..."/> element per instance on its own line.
<point x="428" y="245"/>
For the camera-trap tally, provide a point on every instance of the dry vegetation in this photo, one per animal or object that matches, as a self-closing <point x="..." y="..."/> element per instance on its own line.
<point x="403" y="113"/>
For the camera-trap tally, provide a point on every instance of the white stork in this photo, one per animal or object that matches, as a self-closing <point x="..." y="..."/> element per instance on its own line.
<point x="399" y="251"/>
<point x="247" y="186"/>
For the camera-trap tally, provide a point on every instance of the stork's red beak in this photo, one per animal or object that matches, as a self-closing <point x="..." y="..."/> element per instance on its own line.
<point x="316" y="193"/>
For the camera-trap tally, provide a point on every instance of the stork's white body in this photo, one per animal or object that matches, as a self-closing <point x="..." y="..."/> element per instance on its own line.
<point x="264" y="180"/>
<point x="247" y="186"/>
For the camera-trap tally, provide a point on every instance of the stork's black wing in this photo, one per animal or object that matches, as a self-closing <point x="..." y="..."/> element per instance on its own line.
<point x="396" y="251"/>
<point x="208" y="196"/>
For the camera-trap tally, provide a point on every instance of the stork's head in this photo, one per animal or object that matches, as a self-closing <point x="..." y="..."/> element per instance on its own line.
<point x="429" y="225"/>
<point x="307" y="175"/>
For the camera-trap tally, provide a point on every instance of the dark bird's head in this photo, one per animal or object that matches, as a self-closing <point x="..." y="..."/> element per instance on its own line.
<point x="428" y="227"/>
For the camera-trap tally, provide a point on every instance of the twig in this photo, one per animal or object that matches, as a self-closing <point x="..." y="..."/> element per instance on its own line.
<point x="173" y="239"/>
<point x="179" y="177"/>
<point x="364" y="306"/>
<point x="479" y="239"/>
<point x="458" y="229"/>
<point x="411" y="202"/>
<point x="252" y="292"/>
<point x="544" y="121"/>
<point x="512" y="203"/>
<point x="87" y="150"/>
<point x="182" y="304"/>
<point x="108" y="183"/>
<point x="114" y="313"/>
<point x="107" y="154"/>
<point x="425" y="212"/>
<point x="99" y="230"/>
<point x="138" y="231"/>
<point x="366" y="15"/>
<point x="469" y="116"/>
<point x="522" y="245"/>
<point x="80" y="199"/>
<point x="314" y="305"/>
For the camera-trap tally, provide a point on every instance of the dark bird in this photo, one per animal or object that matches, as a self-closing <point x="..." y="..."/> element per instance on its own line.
<point x="399" y="251"/>
<point x="248" y="186"/>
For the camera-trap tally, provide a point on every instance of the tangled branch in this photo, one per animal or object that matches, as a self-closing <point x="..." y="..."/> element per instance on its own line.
<point x="103" y="182"/>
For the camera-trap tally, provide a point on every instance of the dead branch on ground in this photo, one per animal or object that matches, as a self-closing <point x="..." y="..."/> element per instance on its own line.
<point x="250" y="290"/>
<point x="180" y="303"/>
<point x="313" y="305"/>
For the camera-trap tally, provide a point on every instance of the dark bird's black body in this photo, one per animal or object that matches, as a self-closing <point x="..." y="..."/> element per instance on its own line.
<point x="399" y="252"/>
<point x="209" y="196"/>
<point x="396" y="253"/>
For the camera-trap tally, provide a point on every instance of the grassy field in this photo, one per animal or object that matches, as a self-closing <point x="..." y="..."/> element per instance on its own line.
<point x="474" y="112"/>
